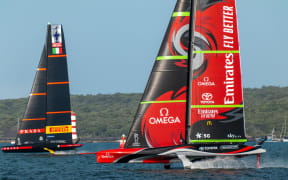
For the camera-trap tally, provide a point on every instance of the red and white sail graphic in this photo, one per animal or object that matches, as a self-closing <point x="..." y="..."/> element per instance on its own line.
<point x="217" y="93"/>
<point x="73" y="123"/>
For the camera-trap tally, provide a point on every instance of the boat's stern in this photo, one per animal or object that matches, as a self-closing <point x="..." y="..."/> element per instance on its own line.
<point x="115" y="155"/>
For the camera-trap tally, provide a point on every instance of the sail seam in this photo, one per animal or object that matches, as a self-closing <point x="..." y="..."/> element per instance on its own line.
<point x="217" y="52"/>
<point x="170" y="101"/>
<point x="34" y="119"/>
<point x="54" y="56"/>
<point x="175" y="14"/>
<point x="58" y="112"/>
<point x="196" y="52"/>
<point x="217" y="140"/>
<point x="218" y="106"/>
<point x="53" y="83"/>
<point x="38" y="94"/>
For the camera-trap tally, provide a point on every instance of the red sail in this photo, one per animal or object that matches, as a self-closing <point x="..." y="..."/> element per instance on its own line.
<point x="161" y="116"/>
<point x="217" y="101"/>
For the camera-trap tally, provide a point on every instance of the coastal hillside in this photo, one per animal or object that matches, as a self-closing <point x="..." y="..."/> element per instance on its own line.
<point x="110" y="115"/>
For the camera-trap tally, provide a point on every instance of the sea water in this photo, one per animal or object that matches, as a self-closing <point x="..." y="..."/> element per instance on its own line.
<point x="67" y="165"/>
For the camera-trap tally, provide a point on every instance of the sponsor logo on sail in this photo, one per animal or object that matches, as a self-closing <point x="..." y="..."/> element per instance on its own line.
<point x="207" y="113"/>
<point x="56" y="39"/>
<point x="203" y="136"/>
<point x="58" y="129"/>
<point x="206" y="82"/>
<point x="164" y="118"/>
<point x="209" y="123"/>
<point x="136" y="140"/>
<point x="230" y="135"/>
<point x="229" y="81"/>
<point x="31" y="131"/>
<point x="228" y="42"/>
<point x="207" y="98"/>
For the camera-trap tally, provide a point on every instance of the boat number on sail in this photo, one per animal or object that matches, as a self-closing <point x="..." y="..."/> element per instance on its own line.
<point x="228" y="42"/>
<point x="164" y="118"/>
<point x="58" y="129"/>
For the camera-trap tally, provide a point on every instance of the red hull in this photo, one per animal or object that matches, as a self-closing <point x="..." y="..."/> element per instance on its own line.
<point x="171" y="154"/>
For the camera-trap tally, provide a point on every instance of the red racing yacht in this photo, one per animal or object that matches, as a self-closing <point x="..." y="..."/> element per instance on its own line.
<point x="192" y="107"/>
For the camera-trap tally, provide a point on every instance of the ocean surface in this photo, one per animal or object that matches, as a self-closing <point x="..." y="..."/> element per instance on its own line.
<point x="274" y="165"/>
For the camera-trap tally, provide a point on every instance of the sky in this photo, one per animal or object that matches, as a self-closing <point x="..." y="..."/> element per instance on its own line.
<point x="111" y="45"/>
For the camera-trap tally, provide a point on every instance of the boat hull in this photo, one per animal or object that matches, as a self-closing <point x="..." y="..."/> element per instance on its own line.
<point x="39" y="148"/>
<point x="172" y="154"/>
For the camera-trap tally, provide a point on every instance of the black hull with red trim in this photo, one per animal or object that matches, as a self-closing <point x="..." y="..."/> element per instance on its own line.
<point x="39" y="148"/>
<point x="172" y="154"/>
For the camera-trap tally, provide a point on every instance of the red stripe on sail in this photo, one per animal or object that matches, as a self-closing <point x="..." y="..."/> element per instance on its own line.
<point x="58" y="112"/>
<point x="34" y="119"/>
<point x="55" y="56"/>
<point x="54" y="83"/>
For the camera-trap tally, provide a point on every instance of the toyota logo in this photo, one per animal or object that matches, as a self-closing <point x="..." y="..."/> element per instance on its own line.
<point x="207" y="96"/>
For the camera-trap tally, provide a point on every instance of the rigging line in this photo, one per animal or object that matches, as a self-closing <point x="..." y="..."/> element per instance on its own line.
<point x="193" y="9"/>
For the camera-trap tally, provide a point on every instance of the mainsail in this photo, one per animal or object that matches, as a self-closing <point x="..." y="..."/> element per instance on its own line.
<point x="216" y="93"/>
<point x="47" y="119"/>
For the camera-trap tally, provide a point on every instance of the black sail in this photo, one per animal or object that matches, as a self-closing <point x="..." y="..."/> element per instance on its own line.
<point x="160" y="118"/>
<point x="47" y="119"/>
<point x="32" y="126"/>
<point x="58" y="129"/>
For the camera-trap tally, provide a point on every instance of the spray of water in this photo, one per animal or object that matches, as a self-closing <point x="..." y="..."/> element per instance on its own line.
<point x="223" y="163"/>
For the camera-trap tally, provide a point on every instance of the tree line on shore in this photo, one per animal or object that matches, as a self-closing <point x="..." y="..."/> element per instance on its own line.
<point x="111" y="115"/>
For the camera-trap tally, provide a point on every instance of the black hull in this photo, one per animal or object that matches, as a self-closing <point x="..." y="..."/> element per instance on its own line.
<point x="39" y="148"/>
